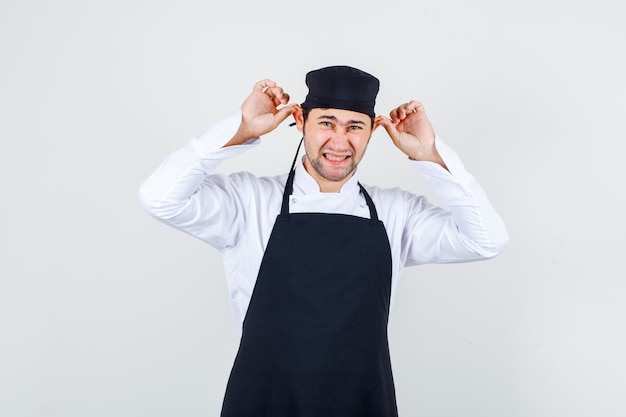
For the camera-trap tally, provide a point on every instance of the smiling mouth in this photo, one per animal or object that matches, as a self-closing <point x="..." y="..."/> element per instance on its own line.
<point x="335" y="158"/>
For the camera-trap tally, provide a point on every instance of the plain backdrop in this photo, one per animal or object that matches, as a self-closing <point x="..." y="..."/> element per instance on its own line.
<point x="106" y="312"/>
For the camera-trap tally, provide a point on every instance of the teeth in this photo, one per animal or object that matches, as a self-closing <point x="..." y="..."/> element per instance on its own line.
<point x="335" y="158"/>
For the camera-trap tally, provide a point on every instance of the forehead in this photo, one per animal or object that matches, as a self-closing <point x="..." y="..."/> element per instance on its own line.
<point x="341" y="116"/>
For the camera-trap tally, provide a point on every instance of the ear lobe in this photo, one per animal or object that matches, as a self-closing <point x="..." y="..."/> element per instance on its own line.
<point x="298" y="117"/>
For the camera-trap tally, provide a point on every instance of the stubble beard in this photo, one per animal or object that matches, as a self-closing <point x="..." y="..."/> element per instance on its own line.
<point x="318" y="165"/>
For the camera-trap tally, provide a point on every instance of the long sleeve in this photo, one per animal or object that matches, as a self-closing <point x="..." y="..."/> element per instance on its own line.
<point x="178" y="192"/>
<point x="469" y="230"/>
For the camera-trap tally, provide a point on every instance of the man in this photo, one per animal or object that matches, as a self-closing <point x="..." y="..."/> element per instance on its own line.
<point x="312" y="258"/>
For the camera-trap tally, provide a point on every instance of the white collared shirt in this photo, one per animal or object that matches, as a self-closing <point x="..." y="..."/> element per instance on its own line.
<point x="236" y="213"/>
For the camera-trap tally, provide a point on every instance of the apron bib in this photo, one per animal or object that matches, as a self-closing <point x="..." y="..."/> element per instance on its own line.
<point x="314" y="339"/>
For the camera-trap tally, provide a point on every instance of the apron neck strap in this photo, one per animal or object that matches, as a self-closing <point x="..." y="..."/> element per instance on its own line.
<point x="284" y="210"/>
<point x="370" y="204"/>
<point x="289" y="185"/>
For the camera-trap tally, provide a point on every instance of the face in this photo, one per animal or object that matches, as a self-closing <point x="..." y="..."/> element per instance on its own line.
<point x="335" y="142"/>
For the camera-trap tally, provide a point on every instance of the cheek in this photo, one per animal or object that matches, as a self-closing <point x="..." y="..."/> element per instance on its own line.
<point x="317" y="138"/>
<point x="359" y="143"/>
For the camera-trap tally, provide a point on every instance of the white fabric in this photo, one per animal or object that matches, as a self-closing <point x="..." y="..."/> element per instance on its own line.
<point x="235" y="213"/>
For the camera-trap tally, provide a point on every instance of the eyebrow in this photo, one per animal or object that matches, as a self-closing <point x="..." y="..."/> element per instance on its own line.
<point x="334" y="119"/>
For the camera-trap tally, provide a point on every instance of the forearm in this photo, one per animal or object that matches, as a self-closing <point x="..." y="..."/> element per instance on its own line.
<point x="171" y="192"/>
<point x="475" y="225"/>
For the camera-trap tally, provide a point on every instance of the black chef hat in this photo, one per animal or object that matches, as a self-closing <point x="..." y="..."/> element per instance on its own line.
<point x="341" y="87"/>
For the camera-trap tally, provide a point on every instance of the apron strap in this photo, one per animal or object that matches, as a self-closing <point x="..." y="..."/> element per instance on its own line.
<point x="370" y="204"/>
<point x="284" y="210"/>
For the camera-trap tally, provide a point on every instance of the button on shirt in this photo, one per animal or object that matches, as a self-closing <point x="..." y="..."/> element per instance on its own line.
<point x="236" y="213"/>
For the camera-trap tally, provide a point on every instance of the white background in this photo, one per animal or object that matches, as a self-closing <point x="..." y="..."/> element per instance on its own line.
<point x="106" y="312"/>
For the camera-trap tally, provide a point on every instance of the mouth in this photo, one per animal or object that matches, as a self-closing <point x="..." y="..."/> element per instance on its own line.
<point x="335" y="159"/>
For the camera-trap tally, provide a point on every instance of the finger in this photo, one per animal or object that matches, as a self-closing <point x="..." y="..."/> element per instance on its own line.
<point x="393" y="114"/>
<point x="390" y="127"/>
<point x="414" y="106"/>
<point x="399" y="113"/>
<point x="274" y="92"/>
<point x="408" y="109"/>
<point x="402" y="112"/>
<point x="277" y="95"/>
<point x="283" y="113"/>
<point x="264" y="84"/>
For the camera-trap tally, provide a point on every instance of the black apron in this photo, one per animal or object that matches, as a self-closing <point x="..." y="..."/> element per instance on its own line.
<point x="314" y="341"/>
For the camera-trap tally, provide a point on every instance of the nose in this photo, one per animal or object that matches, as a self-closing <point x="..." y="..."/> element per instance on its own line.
<point x="338" y="141"/>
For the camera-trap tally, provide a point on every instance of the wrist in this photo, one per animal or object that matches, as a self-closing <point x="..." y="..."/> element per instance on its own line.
<point x="431" y="155"/>
<point x="240" y="137"/>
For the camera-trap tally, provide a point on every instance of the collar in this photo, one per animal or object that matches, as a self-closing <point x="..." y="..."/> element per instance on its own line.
<point x="304" y="183"/>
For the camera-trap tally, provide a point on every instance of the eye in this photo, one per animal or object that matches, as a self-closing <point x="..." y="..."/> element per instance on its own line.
<point x="325" y="123"/>
<point x="356" y="127"/>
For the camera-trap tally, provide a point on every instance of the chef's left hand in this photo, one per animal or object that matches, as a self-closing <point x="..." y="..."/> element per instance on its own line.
<point x="411" y="131"/>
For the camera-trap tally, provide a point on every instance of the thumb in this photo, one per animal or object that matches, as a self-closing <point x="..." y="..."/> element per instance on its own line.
<point x="390" y="127"/>
<point x="283" y="113"/>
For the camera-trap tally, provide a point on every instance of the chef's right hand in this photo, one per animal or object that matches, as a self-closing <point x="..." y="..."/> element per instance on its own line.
<point x="260" y="113"/>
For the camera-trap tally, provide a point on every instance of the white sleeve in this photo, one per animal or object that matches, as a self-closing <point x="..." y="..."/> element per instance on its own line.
<point x="470" y="230"/>
<point x="183" y="194"/>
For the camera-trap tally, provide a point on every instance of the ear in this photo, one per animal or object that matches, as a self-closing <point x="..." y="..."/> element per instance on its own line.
<point x="376" y="123"/>
<point x="298" y="117"/>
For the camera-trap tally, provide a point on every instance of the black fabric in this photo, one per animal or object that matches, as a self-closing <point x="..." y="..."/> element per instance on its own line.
<point x="314" y="340"/>
<point x="341" y="87"/>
